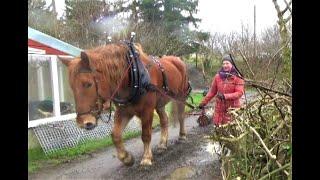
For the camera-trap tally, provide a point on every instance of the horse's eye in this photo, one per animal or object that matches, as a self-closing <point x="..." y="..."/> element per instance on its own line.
<point x="87" y="85"/>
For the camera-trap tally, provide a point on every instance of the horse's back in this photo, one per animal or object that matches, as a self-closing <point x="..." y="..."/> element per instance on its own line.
<point x="176" y="61"/>
<point x="176" y="72"/>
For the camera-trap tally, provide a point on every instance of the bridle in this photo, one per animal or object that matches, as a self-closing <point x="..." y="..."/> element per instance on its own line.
<point x="96" y="111"/>
<point x="133" y="61"/>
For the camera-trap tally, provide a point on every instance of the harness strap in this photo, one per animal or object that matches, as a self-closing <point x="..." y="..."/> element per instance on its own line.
<point x="164" y="77"/>
<point x="137" y="77"/>
<point x="169" y="94"/>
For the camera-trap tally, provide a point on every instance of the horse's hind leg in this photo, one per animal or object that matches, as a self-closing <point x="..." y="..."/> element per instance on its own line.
<point x="146" y="120"/>
<point x="181" y="116"/>
<point x="164" y="128"/>
<point x="121" y="121"/>
<point x="174" y="114"/>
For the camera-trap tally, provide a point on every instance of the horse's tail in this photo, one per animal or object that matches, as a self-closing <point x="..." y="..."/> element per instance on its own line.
<point x="178" y="107"/>
<point x="186" y="86"/>
<point x="177" y="112"/>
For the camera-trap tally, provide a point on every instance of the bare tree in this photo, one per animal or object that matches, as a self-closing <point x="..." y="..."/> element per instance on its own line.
<point x="283" y="23"/>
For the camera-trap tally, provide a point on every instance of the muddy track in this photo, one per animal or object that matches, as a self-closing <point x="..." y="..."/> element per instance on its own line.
<point x="187" y="159"/>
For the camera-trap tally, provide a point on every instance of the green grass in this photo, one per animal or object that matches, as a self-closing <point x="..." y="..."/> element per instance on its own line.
<point x="156" y="120"/>
<point x="37" y="159"/>
<point x="197" y="97"/>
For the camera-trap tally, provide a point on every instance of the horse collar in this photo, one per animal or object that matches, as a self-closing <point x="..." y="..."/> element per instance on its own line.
<point x="139" y="77"/>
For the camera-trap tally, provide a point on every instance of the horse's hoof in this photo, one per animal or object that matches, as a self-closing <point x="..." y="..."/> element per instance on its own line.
<point x="182" y="138"/>
<point x="146" y="162"/>
<point x="161" y="148"/>
<point x="128" y="160"/>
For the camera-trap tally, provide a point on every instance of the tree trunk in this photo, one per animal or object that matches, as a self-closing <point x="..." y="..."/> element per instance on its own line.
<point x="196" y="60"/>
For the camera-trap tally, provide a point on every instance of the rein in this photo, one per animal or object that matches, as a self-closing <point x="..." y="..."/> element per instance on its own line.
<point x="166" y="94"/>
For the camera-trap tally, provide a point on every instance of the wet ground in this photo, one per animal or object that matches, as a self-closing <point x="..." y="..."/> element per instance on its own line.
<point x="189" y="159"/>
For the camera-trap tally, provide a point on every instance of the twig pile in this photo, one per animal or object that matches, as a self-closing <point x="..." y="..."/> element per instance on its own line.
<point x="259" y="139"/>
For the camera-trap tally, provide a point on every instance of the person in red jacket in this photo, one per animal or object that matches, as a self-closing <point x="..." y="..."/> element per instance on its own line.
<point x="228" y="89"/>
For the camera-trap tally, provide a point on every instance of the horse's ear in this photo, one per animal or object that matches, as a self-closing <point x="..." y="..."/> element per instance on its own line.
<point x="85" y="59"/>
<point x="65" y="60"/>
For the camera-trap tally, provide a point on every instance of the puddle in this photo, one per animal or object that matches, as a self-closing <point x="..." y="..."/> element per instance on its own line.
<point x="182" y="173"/>
<point x="212" y="148"/>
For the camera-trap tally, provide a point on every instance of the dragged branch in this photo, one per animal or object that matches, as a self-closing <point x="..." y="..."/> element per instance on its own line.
<point x="252" y="140"/>
<point x="272" y="156"/>
<point x="268" y="89"/>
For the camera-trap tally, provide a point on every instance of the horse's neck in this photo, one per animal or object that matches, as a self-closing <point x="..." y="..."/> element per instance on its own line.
<point x="121" y="85"/>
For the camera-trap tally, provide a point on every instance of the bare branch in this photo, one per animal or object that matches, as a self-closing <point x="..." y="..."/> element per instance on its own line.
<point x="268" y="89"/>
<point x="280" y="166"/>
<point x="277" y="52"/>
<point x="275" y="171"/>
<point x="233" y="139"/>
<point x="288" y="18"/>
<point x="277" y="9"/>
<point x="246" y="60"/>
<point x="275" y="103"/>
<point x="272" y="156"/>
<point x="284" y="11"/>
<point x="275" y="74"/>
<point x="288" y="5"/>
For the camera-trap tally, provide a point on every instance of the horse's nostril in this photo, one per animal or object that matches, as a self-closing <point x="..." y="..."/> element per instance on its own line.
<point x="89" y="126"/>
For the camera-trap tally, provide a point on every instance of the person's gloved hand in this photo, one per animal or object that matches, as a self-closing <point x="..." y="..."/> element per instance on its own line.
<point x="201" y="106"/>
<point x="220" y="96"/>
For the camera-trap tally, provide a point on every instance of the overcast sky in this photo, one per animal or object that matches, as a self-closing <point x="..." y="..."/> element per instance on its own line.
<point x="225" y="16"/>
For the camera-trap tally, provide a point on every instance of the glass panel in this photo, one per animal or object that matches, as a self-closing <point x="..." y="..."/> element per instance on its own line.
<point x="40" y="95"/>
<point x="67" y="104"/>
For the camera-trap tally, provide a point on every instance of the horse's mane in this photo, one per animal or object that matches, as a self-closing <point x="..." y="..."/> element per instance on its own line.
<point x="139" y="48"/>
<point x="111" y="60"/>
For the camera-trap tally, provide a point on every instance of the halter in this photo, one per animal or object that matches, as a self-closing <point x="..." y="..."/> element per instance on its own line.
<point x="137" y="88"/>
<point x="96" y="112"/>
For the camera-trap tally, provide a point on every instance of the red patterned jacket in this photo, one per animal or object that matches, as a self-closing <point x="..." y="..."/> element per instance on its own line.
<point x="232" y="88"/>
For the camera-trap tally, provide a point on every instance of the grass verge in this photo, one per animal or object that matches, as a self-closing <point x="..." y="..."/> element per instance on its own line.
<point x="37" y="158"/>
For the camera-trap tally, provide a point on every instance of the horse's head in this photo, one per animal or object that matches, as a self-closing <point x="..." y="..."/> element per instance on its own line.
<point x="83" y="83"/>
<point x="98" y="74"/>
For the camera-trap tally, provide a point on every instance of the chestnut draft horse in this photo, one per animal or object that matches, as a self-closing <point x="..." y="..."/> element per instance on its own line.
<point x="101" y="75"/>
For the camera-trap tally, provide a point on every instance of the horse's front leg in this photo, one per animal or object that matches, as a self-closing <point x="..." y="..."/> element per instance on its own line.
<point x="146" y="120"/>
<point x="121" y="121"/>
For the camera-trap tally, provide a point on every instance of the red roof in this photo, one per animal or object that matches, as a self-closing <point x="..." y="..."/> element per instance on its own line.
<point x="49" y="50"/>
